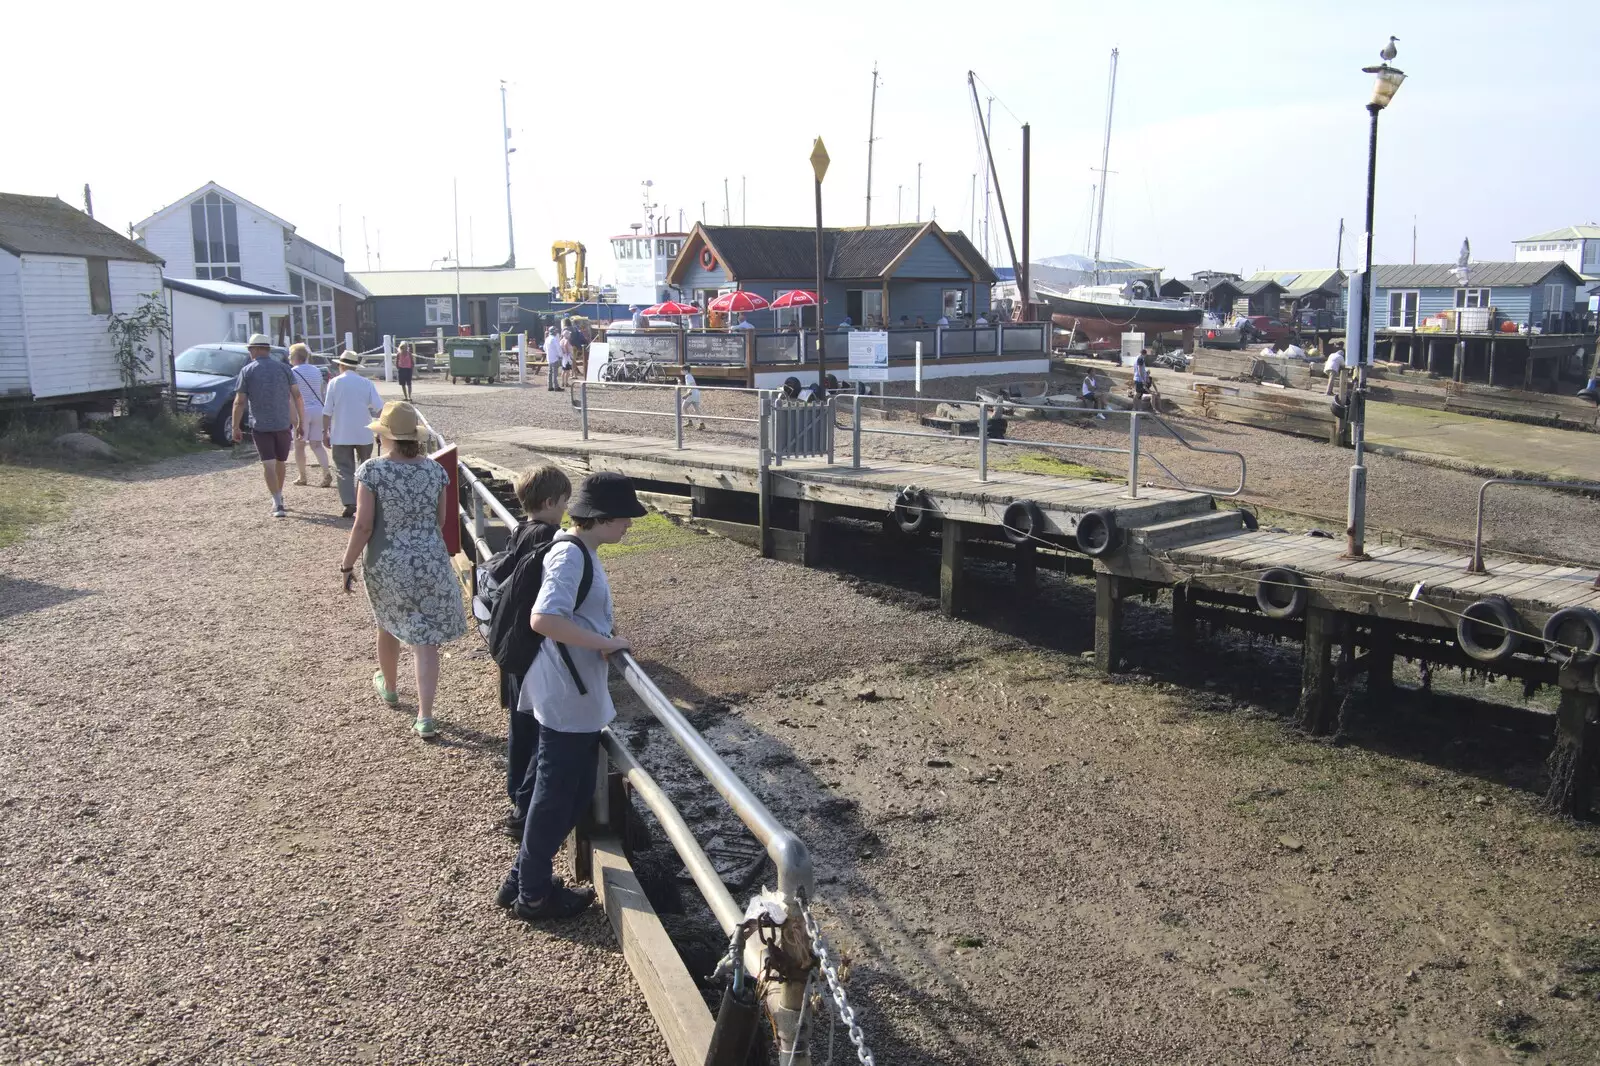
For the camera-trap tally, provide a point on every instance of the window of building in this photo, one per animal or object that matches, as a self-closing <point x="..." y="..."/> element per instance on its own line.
<point x="644" y="248"/>
<point x="99" y="286"/>
<point x="955" y="303"/>
<point x="313" y="319"/>
<point x="439" y="311"/>
<point x="1403" y="309"/>
<point x="1472" y="297"/>
<point x="1555" y="298"/>
<point x="214" y="223"/>
<point x="508" y="311"/>
<point x="670" y="249"/>
<point x="1591" y="257"/>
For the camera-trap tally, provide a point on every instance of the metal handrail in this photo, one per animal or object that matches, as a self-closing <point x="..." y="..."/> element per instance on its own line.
<point x="1476" y="565"/>
<point x="1181" y="439"/>
<point x="787" y="851"/>
<point x="585" y="409"/>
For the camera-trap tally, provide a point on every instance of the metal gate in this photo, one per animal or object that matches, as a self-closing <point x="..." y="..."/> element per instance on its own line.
<point x="801" y="430"/>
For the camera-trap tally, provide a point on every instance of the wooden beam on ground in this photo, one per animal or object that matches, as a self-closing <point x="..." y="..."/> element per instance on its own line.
<point x="670" y="993"/>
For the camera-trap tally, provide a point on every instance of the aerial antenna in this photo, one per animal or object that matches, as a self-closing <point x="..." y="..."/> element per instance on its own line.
<point x="367" y="244"/>
<point x="1105" y="161"/>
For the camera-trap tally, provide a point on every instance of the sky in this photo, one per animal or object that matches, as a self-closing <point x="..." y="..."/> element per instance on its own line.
<point x="1239" y="138"/>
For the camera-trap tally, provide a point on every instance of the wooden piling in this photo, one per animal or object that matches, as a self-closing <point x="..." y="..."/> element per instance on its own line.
<point x="952" y="575"/>
<point x="1380" y="662"/>
<point x="1317" y="715"/>
<point x="1183" y="625"/>
<point x="1027" y="567"/>
<point x="1572" y="760"/>
<point x="812" y="520"/>
<point x="1107" y="622"/>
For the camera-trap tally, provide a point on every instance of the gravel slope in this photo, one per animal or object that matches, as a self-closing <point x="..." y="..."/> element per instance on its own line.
<point x="220" y="847"/>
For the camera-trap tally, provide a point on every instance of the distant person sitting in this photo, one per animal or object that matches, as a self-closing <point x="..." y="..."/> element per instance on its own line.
<point x="922" y="323"/>
<point x="982" y="321"/>
<point x="1089" y="394"/>
<point x="744" y="323"/>
<point x="905" y="323"/>
<point x="846" y="324"/>
<point x="944" y="322"/>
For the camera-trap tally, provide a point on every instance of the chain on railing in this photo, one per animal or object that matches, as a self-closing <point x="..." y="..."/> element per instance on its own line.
<point x="836" y="992"/>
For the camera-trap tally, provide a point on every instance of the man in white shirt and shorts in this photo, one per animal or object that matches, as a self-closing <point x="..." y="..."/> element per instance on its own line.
<point x="352" y="402"/>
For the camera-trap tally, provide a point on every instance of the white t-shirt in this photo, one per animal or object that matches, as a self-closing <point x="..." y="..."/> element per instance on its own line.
<point x="308" y="379"/>
<point x="1335" y="362"/>
<point x="1088" y="387"/>
<point x="552" y="348"/>
<point x="352" y="402"/>
<point x="693" y="395"/>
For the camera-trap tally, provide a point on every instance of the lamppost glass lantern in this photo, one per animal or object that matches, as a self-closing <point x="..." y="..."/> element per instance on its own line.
<point x="1387" y="84"/>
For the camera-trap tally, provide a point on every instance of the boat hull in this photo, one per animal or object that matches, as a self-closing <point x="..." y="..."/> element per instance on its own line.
<point x="1104" y="324"/>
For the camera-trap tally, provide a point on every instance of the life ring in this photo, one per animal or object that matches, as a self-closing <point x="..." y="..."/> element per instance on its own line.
<point x="1572" y="628"/>
<point x="1486" y="630"/>
<point x="911" y="509"/>
<point x="1021" y="521"/>
<point x="1281" y="593"/>
<point x="1097" y="533"/>
<point x="707" y="259"/>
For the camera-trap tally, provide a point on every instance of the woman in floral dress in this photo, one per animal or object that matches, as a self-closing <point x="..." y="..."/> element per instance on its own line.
<point x="415" y="597"/>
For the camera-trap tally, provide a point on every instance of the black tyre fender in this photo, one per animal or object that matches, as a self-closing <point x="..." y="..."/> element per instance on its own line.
<point x="1486" y="630"/>
<point x="910" y="511"/>
<point x="1021" y="521"/>
<point x="1281" y="593"/>
<point x="1249" y="519"/>
<point x="1573" y="628"/>
<point x="1098" y="534"/>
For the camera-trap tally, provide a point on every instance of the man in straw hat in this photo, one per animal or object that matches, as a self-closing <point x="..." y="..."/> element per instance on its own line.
<point x="267" y="389"/>
<point x="351" y="401"/>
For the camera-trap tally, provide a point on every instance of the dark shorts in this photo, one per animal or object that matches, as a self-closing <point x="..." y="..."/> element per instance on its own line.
<point x="405" y="375"/>
<point x="1140" y="388"/>
<point x="272" y="445"/>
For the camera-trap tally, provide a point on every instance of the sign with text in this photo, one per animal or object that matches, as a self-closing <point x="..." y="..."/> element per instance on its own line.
<point x="869" y="355"/>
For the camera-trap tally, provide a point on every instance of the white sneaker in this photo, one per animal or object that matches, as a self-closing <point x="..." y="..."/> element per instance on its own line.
<point x="278" y="511"/>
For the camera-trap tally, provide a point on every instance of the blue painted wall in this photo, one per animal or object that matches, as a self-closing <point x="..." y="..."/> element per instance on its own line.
<point x="406" y="316"/>
<point x="929" y="258"/>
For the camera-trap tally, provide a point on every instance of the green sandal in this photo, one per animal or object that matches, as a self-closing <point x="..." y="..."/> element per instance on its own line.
<point x="423" y="727"/>
<point x="391" y="698"/>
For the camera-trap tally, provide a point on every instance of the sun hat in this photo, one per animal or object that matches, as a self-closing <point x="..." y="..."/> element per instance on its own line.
<point x="398" y="421"/>
<point x="605" y="495"/>
<point x="349" y="358"/>
<point x="257" y="340"/>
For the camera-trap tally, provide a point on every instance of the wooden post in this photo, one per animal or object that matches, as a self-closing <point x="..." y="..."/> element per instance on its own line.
<point x="1316" y="675"/>
<point x="1107" y="622"/>
<point x="1027" y="572"/>
<point x="1572" y="760"/>
<point x="1527" y="370"/>
<point x="1380" y="661"/>
<point x="1491" y="362"/>
<point x="749" y="358"/>
<point x="1183" y="627"/>
<point x="812" y="515"/>
<point x="952" y="577"/>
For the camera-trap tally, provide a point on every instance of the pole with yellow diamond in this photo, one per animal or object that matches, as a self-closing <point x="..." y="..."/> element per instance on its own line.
<point x="819" y="167"/>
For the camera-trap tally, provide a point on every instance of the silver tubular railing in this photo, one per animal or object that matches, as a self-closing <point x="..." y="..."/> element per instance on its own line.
<point x="1476" y="565"/>
<point x="788" y="853"/>
<point x="585" y="408"/>
<point x="1181" y="439"/>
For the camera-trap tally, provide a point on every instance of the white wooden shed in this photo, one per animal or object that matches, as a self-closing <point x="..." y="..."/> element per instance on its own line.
<point x="62" y="274"/>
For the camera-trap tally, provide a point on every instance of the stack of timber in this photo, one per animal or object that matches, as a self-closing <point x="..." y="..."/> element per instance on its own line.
<point x="1490" y="401"/>
<point x="1296" y="411"/>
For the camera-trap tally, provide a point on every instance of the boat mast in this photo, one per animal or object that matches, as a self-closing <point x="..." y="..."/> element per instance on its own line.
<point x="1105" y="161"/>
<point x="986" y="193"/>
<point x="872" y="126"/>
<point x="511" y="236"/>
<point x="999" y="196"/>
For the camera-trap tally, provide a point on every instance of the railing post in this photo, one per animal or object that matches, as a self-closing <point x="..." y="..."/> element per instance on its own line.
<point x="855" y="433"/>
<point x="583" y="406"/>
<point x="1133" y="455"/>
<point x="999" y="340"/>
<point x="983" y="442"/>
<point x="763" y="476"/>
<point x="827" y="426"/>
<point x="480" y="523"/>
<point x="522" y="358"/>
<point x="677" y="415"/>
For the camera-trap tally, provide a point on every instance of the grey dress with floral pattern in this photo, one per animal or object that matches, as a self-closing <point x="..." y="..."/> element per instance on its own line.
<point x="410" y="583"/>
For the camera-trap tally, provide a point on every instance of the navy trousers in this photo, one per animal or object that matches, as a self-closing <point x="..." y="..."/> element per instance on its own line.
<point x="563" y="785"/>
<point x="522" y="742"/>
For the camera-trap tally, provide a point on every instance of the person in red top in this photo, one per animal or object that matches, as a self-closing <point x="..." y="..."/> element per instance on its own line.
<point x="405" y="364"/>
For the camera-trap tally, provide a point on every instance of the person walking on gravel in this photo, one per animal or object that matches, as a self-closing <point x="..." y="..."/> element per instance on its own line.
<point x="567" y="691"/>
<point x="405" y="364"/>
<point x="266" y="389"/>
<point x="308" y="379"/>
<point x="352" y="401"/>
<point x="411" y="585"/>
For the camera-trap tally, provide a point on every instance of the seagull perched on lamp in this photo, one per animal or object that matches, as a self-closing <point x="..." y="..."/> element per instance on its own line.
<point x="1389" y="51"/>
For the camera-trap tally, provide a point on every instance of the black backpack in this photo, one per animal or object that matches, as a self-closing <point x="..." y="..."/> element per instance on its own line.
<point x="512" y="641"/>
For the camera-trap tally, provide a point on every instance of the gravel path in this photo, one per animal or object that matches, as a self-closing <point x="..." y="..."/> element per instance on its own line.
<point x="220" y="847"/>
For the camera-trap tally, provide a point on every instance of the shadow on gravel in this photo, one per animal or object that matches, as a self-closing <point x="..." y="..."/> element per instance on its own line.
<point x="19" y="596"/>
<point x="840" y="841"/>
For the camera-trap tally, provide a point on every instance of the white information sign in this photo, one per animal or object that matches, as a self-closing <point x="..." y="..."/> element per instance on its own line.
<point x="869" y="355"/>
<point x="1132" y="345"/>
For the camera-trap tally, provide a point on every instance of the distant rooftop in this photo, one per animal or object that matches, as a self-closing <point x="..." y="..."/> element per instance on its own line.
<point x="228" y="291"/>
<point x="1588" y="231"/>
<point x="475" y="281"/>
<point x="1485" y="275"/>
<point x="48" y="225"/>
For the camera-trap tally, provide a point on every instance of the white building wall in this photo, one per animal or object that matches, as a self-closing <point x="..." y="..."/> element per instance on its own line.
<point x="1569" y="252"/>
<point x="68" y="347"/>
<point x="13" y="350"/>
<point x="261" y="245"/>
<point x="196" y="320"/>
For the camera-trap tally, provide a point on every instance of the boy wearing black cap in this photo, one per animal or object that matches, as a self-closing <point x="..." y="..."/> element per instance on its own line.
<point x="567" y="690"/>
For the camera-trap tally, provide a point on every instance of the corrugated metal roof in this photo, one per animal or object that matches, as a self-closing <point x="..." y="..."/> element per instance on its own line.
<point x="47" y="225"/>
<point x="867" y="253"/>
<point x="1298" y="283"/>
<point x="475" y="281"/>
<point x="789" y="252"/>
<point x="1486" y="275"/>
<point x="1565" y="233"/>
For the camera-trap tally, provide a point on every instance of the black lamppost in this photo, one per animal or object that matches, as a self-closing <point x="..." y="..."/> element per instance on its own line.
<point x="819" y="167"/>
<point x="1388" y="81"/>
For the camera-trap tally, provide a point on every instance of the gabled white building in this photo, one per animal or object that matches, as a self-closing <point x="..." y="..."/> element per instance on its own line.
<point x="62" y="275"/>
<point x="1576" y="246"/>
<point x="214" y="234"/>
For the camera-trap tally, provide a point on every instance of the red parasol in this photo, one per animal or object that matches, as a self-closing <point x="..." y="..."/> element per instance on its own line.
<point x="737" y="301"/>
<point x="670" y="309"/>
<point x="796" y="298"/>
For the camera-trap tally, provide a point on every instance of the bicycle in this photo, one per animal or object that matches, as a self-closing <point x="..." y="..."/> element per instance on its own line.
<point x="626" y="368"/>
